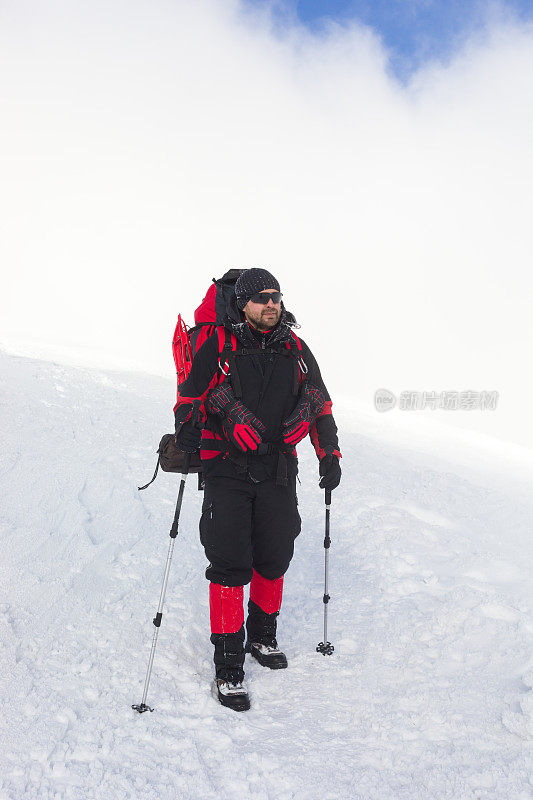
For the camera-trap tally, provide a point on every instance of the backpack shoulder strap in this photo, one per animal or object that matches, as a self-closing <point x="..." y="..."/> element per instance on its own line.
<point x="300" y="367"/>
<point x="227" y="345"/>
<point x="296" y="340"/>
<point x="227" y="341"/>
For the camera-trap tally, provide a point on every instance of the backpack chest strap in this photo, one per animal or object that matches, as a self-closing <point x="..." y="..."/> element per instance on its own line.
<point x="227" y="348"/>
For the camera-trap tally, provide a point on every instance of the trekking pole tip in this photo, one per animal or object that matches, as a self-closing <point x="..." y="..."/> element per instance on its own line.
<point x="141" y="708"/>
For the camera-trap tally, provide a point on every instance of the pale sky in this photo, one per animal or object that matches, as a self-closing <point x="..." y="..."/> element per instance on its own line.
<point x="148" y="146"/>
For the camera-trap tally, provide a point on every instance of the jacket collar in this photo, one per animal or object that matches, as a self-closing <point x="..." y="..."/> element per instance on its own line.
<point x="236" y="322"/>
<point x="246" y="334"/>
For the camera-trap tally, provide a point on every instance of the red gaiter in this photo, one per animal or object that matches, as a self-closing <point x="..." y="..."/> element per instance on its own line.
<point x="266" y="594"/>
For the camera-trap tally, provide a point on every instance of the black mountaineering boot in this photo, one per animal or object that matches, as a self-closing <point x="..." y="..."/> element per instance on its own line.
<point x="229" y="661"/>
<point x="261" y="637"/>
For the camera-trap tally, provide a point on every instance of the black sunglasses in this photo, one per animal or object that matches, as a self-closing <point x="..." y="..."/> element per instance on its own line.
<point x="264" y="297"/>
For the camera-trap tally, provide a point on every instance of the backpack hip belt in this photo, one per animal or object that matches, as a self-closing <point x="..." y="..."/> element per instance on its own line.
<point x="241" y="459"/>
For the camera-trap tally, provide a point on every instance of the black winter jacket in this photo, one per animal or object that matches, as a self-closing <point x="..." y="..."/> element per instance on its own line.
<point x="266" y="378"/>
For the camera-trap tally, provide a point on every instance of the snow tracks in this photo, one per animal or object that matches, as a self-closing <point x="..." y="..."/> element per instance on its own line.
<point x="428" y="693"/>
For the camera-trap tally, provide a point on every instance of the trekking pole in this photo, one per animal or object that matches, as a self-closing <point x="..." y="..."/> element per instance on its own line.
<point x="141" y="707"/>
<point x="325" y="647"/>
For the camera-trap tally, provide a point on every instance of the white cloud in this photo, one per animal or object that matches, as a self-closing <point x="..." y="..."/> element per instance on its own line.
<point x="147" y="147"/>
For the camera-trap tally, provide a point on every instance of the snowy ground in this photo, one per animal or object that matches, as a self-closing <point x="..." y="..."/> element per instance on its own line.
<point x="428" y="693"/>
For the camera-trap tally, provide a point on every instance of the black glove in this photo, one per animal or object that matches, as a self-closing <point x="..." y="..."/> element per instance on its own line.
<point x="330" y="472"/>
<point x="311" y="404"/>
<point x="188" y="429"/>
<point x="240" y="425"/>
<point x="188" y="437"/>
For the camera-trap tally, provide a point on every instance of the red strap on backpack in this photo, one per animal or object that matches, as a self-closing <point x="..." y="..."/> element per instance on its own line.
<point x="302" y="366"/>
<point x="181" y="350"/>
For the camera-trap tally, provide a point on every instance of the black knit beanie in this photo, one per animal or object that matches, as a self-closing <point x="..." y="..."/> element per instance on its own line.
<point x="251" y="281"/>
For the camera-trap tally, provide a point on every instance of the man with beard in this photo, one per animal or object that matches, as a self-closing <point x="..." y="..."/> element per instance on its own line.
<point x="256" y="389"/>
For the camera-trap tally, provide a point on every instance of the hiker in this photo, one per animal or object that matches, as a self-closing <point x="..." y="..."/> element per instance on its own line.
<point x="254" y="391"/>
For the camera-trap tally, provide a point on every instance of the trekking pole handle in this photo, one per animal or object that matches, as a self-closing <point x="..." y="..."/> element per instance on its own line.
<point x="327" y="540"/>
<point x="184" y="473"/>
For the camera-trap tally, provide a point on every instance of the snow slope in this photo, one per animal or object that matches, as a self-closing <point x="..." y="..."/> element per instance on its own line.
<point x="428" y="693"/>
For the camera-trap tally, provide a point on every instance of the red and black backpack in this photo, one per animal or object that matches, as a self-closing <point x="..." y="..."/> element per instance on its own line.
<point x="209" y="320"/>
<point x="208" y="316"/>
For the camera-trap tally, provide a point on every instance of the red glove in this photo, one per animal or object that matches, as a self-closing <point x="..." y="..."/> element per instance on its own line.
<point x="240" y="425"/>
<point x="311" y="404"/>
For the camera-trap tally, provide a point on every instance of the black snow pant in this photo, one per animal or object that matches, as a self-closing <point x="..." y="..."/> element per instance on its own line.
<point x="246" y="525"/>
